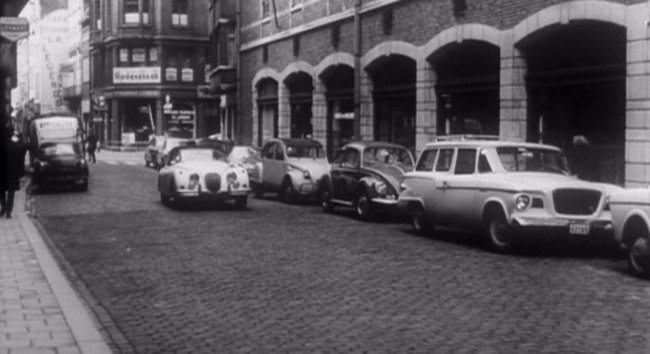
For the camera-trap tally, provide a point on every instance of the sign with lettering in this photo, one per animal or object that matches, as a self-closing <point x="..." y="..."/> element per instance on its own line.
<point x="137" y="75"/>
<point x="14" y="28"/>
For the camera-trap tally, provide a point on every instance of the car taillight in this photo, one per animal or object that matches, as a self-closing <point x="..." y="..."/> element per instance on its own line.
<point x="194" y="181"/>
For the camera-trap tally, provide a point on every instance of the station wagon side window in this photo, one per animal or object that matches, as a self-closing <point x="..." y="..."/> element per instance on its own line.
<point x="465" y="162"/>
<point x="483" y="163"/>
<point x="350" y="158"/>
<point x="427" y="160"/>
<point x="445" y="157"/>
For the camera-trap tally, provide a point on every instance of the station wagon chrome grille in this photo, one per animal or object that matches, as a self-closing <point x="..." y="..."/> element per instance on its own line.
<point x="576" y="201"/>
<point x="213" y="182"/>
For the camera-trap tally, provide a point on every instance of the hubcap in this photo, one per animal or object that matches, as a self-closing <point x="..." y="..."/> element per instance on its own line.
<point x="498" y="233"/>
<point x="639" y="255"/>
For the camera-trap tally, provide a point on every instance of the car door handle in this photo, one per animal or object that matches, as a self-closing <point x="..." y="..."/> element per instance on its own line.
<point x="444" y="185"/>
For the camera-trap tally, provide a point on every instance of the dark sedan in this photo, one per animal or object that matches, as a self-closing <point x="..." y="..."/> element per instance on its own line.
<point x="57" y="163"/>
<point x="366" y="176"/>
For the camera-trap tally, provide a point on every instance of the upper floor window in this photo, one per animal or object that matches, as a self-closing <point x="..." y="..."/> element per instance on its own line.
<point x="266" y="9"/>
<point x="98" y="14"/>
<point x="179" y="13"/>
<point x="136" y="12"/>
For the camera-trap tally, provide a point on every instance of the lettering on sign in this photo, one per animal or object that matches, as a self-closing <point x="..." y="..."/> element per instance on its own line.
<point x="14" y="28"/>
<point x="137" y="75"/>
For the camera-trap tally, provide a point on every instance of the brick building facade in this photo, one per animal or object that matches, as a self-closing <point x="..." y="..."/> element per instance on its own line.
<point x="534" y="70"/>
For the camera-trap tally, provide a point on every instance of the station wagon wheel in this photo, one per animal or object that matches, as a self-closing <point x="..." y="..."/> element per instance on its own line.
<point x="287" y="193"/>
<point x="421" y="225"/>
<point x="241" y="202"/>
<point x="638" y="257"/>
<point x="363" y="207"/>
<point x="326" y="201"/>
<point x="497" y="230"/>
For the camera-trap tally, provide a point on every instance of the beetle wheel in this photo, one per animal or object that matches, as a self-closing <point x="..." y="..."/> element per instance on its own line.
<point x="638" y="257"/>
<point x="420" y="222"/>
<point x="326" y="201"/>
<point x="363" y="207"/>
<point x="498" y="232"/>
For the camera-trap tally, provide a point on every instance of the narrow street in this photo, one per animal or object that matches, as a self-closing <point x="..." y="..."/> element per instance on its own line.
<point x="283" y="278"/>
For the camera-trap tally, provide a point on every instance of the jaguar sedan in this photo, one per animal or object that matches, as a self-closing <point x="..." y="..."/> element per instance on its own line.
<point x="507" y="190"/>
<point x="366" y="176"/>
<point x="196" y="173"/>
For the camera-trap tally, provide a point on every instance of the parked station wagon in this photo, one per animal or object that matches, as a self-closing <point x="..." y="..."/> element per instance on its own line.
<point x="366" y="176"/>
<point x="631" y="217"/>
<point x="291" y="167"/>
<point x="507" y="190"/>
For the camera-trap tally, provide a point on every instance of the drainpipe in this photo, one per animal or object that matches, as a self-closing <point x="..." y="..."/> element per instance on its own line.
<point x="238" y="87"/>
<point x="357" y="69"/>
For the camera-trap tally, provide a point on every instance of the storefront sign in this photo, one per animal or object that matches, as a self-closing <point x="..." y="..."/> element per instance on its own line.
<point x="344" y="115"/>
<point x="171" y="74"/>
<point x="137" y="75"/>
<point x="14" y="28"/>
<point x="187" y="75"/>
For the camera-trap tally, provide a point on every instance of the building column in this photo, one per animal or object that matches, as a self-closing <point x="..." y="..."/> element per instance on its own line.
<point x="115" y="124"/>
<point x="367" y="108"/>
<point x="637" y="112"/>
<point x="160" y="117"/>
<point x="319" y="113"/>
<point x="284" y="112"/>
<point x="425" y="104"/>
<point x="255" y="117"/>
<point x="513" y="97"/>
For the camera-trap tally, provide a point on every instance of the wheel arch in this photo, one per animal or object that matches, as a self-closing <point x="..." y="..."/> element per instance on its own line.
<point x="491" y="207"/>
<point x="636" y="221"/>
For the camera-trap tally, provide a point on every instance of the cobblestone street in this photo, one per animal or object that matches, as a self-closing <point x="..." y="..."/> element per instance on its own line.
<point x="291" y="279"/>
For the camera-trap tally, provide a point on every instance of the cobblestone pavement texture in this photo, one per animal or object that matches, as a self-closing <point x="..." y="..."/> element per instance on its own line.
<point x="291" y="279"/>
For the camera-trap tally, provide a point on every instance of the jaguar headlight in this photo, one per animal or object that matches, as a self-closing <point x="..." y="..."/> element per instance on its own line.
<point x="522" y="202"/>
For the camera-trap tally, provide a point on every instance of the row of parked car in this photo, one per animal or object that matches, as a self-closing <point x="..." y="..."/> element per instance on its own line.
<point x="506" y="191"/>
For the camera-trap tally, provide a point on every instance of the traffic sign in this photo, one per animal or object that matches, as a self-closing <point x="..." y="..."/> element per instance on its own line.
<point x="14" y="28"/>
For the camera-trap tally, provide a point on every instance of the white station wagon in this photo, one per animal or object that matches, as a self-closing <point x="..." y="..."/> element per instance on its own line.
<point x="506" y="190"/>
<point x="631" y="217"/>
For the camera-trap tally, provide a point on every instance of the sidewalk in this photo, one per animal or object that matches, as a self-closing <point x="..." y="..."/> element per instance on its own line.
<point x="40" y="313"/>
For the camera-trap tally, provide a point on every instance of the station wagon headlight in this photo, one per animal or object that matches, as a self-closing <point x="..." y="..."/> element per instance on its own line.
<point x="381" y="188"/>
<point x="306" y="174"/>
<point x="522" y="202"/>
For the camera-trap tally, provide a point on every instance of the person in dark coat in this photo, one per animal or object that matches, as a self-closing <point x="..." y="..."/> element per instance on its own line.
<point x="92" y="147"/>
<point x="13" y="168"/>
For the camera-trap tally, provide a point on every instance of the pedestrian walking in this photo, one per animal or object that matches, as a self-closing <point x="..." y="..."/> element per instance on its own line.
<point x="12" y="162"/>
<point x="582" y="159"/>
<point x="92" y="147"/>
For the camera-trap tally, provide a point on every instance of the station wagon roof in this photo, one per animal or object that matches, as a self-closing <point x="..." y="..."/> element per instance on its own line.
<point x="301" y="142"/>
<point x="489" y="143"/>
<point x="370" y="144"/>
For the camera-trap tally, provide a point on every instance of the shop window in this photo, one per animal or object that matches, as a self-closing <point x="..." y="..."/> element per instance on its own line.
<point x="134" y="14"/>
<point x="460" y="7"/>
<point x="124" y="55"/>
<point x="153" y="55"/>
<point x="138" y="55"/>
<point x="179" y="13"/>
<point x="336" y="36"/>
<point x="296" y="46"/>
<point x="266" y="9"/>
<point x="387" y="21"/>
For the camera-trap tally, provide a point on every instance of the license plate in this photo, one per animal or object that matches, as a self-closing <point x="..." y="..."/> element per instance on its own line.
<point x="579" y="229"/>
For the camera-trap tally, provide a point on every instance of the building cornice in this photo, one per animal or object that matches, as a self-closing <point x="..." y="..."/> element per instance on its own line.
<point x="344" y="15"/>
<point x="110" y="41"/>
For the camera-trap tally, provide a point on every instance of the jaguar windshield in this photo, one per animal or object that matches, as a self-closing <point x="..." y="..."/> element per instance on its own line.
<point x="525" y="159"/>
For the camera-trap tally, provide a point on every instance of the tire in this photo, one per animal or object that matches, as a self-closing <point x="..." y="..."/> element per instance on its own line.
<point x="421" y="224"/>
<point x="363" y="206"/>
<point x="241" y="202"/>
<point x="326" y="201"/>
<point x="258" y="190"/>
<point x="497" y="232"/>
<point x="287" y="193"/>
<point x="638" y="257"/>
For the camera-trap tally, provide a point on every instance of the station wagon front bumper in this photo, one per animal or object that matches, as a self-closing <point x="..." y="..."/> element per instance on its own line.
<point x="562" y="226"/>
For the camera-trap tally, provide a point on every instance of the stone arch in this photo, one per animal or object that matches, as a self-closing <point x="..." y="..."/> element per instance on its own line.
<point x="334" y="59"/>
<point x="576" y="10"/>
<point x="459" y="33"/>
<point x="263" y="74"/>
<point x="389" y="48"/>
<point x="295" y="67"/>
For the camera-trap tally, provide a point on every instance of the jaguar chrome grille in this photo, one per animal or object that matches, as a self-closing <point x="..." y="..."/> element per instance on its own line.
<point x="213" y="182"/>
<point x="576" y="201"/>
